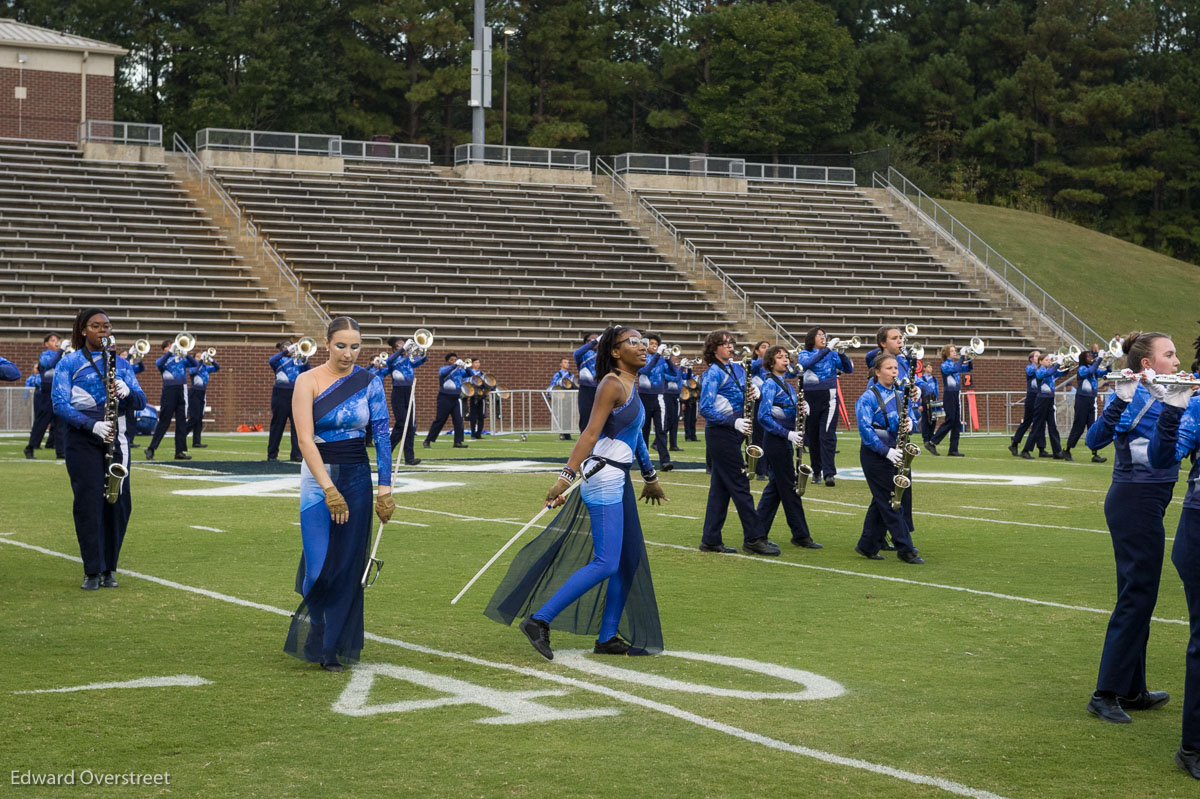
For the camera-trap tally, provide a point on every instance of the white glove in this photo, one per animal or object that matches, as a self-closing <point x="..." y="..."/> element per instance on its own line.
<point x="662" y="349"/>
<point x="1178" y="396"/>
<point x="741" y="425"/>
<point x="1156" y="391"/>
<point x="796" y="437"/>
<point x="906" y="425"/>
<point x="1126" y="388"/>
<point x="122" y="389"/>
<point x="754" y="392"/>
<point x="895" y="456"/>
<point x="832" y="343"/>
<point x="804" y="407"/>
<point x="102" y="430"/>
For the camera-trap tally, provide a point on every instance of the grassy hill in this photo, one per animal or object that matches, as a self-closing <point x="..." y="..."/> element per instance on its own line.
<point x="1111" y="284"/>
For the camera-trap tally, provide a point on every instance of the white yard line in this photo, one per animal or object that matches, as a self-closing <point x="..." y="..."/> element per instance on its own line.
<point x="209" y="529"/>
<point x="142" y="682"/>
<point x="621" y="696"/>
<point x="1042" y="505"/>
<point x="677" y="516"/>
<point x="976" y="507"/>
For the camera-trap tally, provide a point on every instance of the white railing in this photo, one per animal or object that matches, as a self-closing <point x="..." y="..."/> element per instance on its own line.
<point x="1018" y="286"/>
<point x="691" y="165"/>
<point x="532" y="410"/>
<point x="241" y="224"/>
<point x="16" y="409"/>
<point x="386" y="152"/>
<point x="120" y="133"/>
<point x="267" y="141"/>
<point x="790" y="173"/>
<point x="538" y="157"/>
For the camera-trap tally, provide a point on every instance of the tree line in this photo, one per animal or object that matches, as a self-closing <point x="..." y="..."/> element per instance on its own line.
<point x="1085" y="109"/>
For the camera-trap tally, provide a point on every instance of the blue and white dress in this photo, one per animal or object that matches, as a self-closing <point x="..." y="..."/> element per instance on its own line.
<point x="597" y="584"/>
<point x="328" y="625"/>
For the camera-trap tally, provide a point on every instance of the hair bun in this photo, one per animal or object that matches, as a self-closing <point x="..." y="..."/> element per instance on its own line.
<point x="1127" y="344"/>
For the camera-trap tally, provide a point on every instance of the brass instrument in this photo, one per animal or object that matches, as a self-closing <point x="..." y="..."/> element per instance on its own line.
<point x="304" y="349"/>
<point x="1067" y="357"/>
<point x="380" y="361"/>
<point x="139" y="350"/>
<point x="183" y="344"/>
<point x="852" y="343"/>
<point x="804" y="472"/>
<point x="1112" y="352"/>
<point x="115" y="473"/>
<point x="972" y="350"/>
<point x="419" y="345"/>
<point x="753" y="451"/>
<point x="208" y="356"/>
<point x="67" y="348"/>
<point x="902" y="480"/>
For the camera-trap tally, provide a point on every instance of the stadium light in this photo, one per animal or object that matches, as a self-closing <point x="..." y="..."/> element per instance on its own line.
<point x="508" y="31"/>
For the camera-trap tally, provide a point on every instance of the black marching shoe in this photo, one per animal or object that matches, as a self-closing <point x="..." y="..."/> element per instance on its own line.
<point x="876" y="556"/>
<point x="1044" y="454"/>
<point x="760" y="477"/>
<point x="91" y="582"/>
<point x="666" y="467"/>
<point x="1189" y="761"/>
<point x="1098" y="458"/>
<point x="107" y="580"/>
<point x="1146" y="700"/>
<point x="150" y="453"/>
<point x="1013" y="449"/>
<point x="929" y="445"/>
<point x="183" y="456"/>
<point x="829" y="482"/>
<point x="1067" y="456"/>
<point x="910" y="557"/>
<point x="335" y="666"/>
<point x="461" y="445"/>
<point x="29" y="453"/>
<point x="197" y="445"/>
<point x="1058" y="456"/>
<point x="761" y="546"/>
<point x="724" y="550"/>
<point x="613" y="646"/>
<point x="807" y="543"/>
<point x="413" y="462"/>
<point x="426" y="444"/>
<point x="1026" y="456"/>
<point x="296" y="458"/>
<point x="538" y="633"/>
<point x="956" y="454"/>
<point x="676" y="449"/>
<point x="1107" y="708"/>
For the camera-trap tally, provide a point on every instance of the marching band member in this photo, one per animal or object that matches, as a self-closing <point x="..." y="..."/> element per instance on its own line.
<point x="288" y="365"/>
<point x="671" y="390"/>
<point x="1134" y="509"/>
<point x="401" y="366"/>
<point x="890" y="341"/>
<point x="336" y="407"/>
<point x="878" y="412"/>
<point x="1085" y="402"/>
<point x="174" y="367"/>
<point x="1031" y="395"/>
<point x="1044" y="423"/>
<point x="822" y="363"/>
<point x="652" y="382"/>
<point x="759" y="372"/>
<point x="585" y="362"/>
<point x="722" y="398"/>
<point x="475" y="403"/>
<point x="777" y="416"/>
<point x="79" y="397"/>
<point x="605" y="507"/>
<point x="197" y="394"/>
<point x="9" y="371"/>
<point x="687" y="407"/>
<point x="562" y="377"/>
<point x="1177" y="436"/>
<point x="131" y="416"/>
<point x="449" y="405"/>
<point x="954" y="366"/>
<point x="43" y="410"/>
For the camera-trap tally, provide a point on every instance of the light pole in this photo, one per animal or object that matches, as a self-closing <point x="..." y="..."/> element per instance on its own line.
<point x="508" y="31"/>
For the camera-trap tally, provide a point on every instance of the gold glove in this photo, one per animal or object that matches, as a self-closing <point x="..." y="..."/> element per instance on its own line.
<point x="335" y="501"/>
<point x="384" y="507"/>
<point x="653" y="493"/>
<point x="554" y="495"/>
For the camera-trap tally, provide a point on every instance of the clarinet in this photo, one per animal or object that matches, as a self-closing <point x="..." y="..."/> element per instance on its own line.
<point x="908" y="450"/>
<point x="803" y="470"/>
<point x="753" y="451"/>
<point x="115" y="473"/>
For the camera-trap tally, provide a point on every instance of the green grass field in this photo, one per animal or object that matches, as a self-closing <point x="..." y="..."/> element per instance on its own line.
<point x="967" y="675"/>
<point x="1111" y="284"/>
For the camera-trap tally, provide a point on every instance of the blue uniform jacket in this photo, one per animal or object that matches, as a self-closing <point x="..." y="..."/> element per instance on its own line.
<point x="451" y="377"/>
<point x="879" y="426"/>
<point x="777" y="408"/>
<point x="1046" y="375"/>
<point x="1031" y="382"/>
<point x="821" y="368"/>
<point x="1176" y="436"/>
<point x="401" y="367"/>
<point x="671" y="378"/>
<point x="952" y="372"/>
<point x="33" y="381"/>
<point x="200" y="375"/>
<point x="722" y="394"/>
<point x="1129" y="426"/>
<point x="47" y="362"/>
<point x="78" y="393"/>
<point x="652" y="378"/>
<point x="174" y="369"/>
<point x="287" y="369"/>
<point x="585" y="361"/>
<point x="9" y="370"/>
<point x="1088" y="378"/>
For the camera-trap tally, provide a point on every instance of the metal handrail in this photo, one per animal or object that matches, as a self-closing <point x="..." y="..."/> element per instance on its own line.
<point x="269" y="141"/>
<point x="386" y="151"/>
<point x="509" y="155"/>
<point x="88" y="132"/>
<point x="791" y="173"/>
<point x="708" y="165"/>
<point x="947" y="227"/>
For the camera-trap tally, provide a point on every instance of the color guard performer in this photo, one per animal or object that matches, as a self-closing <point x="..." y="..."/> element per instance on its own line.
<point x="1134" y="508"/>
<point x="288" y="364"/>
<point x="43" y="410"/>
<point x="198" y="394"/>
<point x="449" y="400"/>
<point x="1089" y="372"/>
<point x="822" y="362"/>
<point x="174" y="364"/>
<point x="401" y="364"/>
<point x="777" y="416"/>
<point x="723" y="405"/>
<point x="92" y="387"/>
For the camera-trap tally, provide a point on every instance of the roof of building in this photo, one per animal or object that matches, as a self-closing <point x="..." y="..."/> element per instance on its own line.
<point x="20" y="33"/>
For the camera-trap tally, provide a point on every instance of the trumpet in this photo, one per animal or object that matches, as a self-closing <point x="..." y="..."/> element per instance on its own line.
<point x="183" y="344"/>
<point x="1112" y="352"/>
<point x="67" y="348"/>
<point x="420" y="344"/>
<point x="380" y="361"/>
<point x="853" y="343"/>
<point x="688" y="363"/>
<point x="208" y="356"/>
<point x="463" y="363"/>
<point x="1067" y="357"/>
<point x="972" y="350"/>
<point x="139" y="350"/>
<point x="910" y="330"/>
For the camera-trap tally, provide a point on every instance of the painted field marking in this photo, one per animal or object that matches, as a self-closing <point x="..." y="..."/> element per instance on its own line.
<point x="677" y="516"/>
<point x="142" y="682"/>
<point x="209" y="529"/>
<point x="835" y="512"/>
<point x="976" y="507"/>
<point x="1042" y="505"/>
<point x="670" y="710"/>
<point x="409" y="524"/>
<point x="458" y="516"/>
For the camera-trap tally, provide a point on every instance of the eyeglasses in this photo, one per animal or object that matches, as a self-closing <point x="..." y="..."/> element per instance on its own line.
<point x="633" y="341"/>
<point x="101" y="326"/>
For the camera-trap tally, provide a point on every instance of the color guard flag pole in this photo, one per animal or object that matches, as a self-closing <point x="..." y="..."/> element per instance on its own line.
<point x="412" y="395"/>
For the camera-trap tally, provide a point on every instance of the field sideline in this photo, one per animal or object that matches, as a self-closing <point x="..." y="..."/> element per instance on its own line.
<point x="818" y="673"/>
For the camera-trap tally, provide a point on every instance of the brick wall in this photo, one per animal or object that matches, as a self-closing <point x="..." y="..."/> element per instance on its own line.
<point x="51" y="107"/>
<point x="241" y="391"/>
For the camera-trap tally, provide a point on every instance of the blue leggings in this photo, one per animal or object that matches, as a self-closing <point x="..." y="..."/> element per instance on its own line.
<point x="616" y="542"/>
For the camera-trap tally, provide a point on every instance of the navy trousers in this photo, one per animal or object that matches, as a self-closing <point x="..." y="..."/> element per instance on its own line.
<point x="656" y="415"/>
<point x="756" y="437"/>
<point x="1026" y="419"/>
<point x="672" y="403"/>
<point x="475" y="415"/>
<point x="448" y="407"/>
<point x="195" y="413"/>
<point x="1044" y="425"/>
<point x="400" y="399"/>
<point x="44" y="419"/>
<point x="99" y="525"/>
<point x="172" y="405"/>
<point x="728" y="482"/>
<point x="820" y="431"/>
<point x="1085" y="415"/>
<point x="586" y="398"/>
<point x="689" y="408"/>
<point x="281" y="416"/>
<point x="880" y="518"/>
<point x="952" y="424"/>
<point x="1185" y="554"/>
<point x="781" y="469"/>
<point x="1134" y="512"/>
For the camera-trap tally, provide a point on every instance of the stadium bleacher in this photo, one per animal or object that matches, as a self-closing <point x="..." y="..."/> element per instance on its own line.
<point x="125" y="236"/>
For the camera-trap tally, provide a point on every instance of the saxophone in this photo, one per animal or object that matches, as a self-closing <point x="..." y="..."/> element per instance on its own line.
<point x="115" y="473"/>
<point x="803" y="470"/>
<point x="908" y="450"/>
<point x="753" y="451"/>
